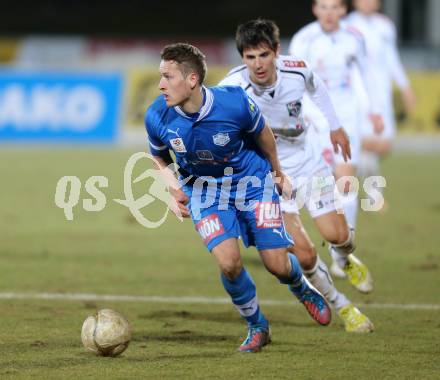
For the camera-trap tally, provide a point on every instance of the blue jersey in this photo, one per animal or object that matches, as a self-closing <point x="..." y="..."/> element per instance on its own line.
<point x="220" y="136"/>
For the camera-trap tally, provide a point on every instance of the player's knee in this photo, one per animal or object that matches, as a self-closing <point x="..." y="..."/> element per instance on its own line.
<point x="231" y="268"/>
<point x="341" y="235"/>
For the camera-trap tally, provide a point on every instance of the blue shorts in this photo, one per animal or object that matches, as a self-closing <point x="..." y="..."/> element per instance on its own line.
<point x="260" y="224"/>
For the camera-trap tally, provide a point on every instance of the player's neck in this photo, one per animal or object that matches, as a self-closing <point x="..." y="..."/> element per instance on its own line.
<point x="194" y="102"/>
<point x="367" y="13"/>
<point x="330" y="30"/>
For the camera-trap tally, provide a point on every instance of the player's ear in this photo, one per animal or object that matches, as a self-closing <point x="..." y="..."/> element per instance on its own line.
<point x="193" y="79"/>
<point x="278" y="50"/>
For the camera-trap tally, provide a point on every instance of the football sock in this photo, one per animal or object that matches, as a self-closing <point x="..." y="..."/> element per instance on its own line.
<point x="338" y="258"/>
<point x="244" y="296"/>
<point x="296" y="282"/>
<point x="320" y="278"/>
<point x="340" y="252"/>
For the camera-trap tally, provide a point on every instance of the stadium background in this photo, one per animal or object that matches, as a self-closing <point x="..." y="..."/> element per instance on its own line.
<point x="75" y="80"/>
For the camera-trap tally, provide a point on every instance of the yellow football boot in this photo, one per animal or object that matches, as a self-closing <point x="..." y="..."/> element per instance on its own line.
<point x="354" y="320"/>
<point x="358" y="274"/>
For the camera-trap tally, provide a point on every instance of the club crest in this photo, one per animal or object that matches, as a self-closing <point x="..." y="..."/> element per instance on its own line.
<point x="221" y="139"/>
<point x="294" y="108"/>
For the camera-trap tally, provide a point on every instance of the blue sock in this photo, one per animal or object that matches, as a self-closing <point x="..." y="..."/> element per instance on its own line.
<point x="244" y="296"/>
<point x="296" y="282"/>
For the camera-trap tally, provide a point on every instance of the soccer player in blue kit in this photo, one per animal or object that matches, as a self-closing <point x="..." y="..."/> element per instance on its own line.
<point x="228" y="161"/>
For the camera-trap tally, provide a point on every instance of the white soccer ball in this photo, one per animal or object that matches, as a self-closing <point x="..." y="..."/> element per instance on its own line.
<point x="107" y="333"/>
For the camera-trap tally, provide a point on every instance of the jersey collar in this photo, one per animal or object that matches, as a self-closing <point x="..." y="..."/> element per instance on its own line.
<point x="206" y="107"/>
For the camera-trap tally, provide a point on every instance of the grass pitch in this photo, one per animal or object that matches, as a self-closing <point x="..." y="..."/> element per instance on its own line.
<point x="108" y="252"/>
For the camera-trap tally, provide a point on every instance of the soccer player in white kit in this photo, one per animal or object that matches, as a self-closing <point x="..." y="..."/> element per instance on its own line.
<point x="277" y="84"/>
<point x="334" y="51"/>
<point x="379" y="33"/>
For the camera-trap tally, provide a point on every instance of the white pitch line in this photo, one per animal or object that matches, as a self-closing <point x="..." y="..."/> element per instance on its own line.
<point x="183" y="300"/>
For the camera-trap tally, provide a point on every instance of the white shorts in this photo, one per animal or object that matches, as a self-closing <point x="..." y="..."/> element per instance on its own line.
<point x="334" y="159"/>
<point x="317" y="192"/>
<point x="351" y="121"/>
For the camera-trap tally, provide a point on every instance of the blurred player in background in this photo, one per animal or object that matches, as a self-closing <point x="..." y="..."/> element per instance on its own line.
<point x="379" y="33"/>
<point x="220" y="141"/>
<point x="277" y="84"/>
<point x="333" y="51"/>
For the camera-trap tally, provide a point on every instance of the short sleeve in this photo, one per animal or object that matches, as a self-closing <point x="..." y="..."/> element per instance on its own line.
<point x="157" y="146"/>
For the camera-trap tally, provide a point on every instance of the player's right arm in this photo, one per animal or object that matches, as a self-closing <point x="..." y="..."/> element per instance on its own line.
<point x="162" y="161"/>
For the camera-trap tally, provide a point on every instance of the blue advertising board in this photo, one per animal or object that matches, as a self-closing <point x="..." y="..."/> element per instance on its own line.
<point x="66" y="107"/>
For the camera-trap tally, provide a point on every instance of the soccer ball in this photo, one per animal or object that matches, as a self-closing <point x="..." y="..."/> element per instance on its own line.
<point x="107" y="333"/>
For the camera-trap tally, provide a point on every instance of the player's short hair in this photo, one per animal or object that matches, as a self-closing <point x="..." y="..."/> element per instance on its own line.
<point x="188" y="58"/>
<point x="257" y="32"/>
<point x="343" y="2"/>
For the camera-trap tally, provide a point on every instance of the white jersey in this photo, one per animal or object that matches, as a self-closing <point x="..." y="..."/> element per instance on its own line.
<point x="281" y="105"/>
<point x="333" y="56"/>
<point x="379" y="33"/>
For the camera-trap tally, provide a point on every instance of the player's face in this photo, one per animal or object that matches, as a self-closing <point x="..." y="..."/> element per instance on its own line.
<point x="261" y="64"/>
<point x="175" y="88"/>
<point x="367" y="6"/>
<point x="328" y="13"/>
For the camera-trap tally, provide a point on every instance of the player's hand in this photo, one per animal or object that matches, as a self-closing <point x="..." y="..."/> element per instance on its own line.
<point x="409" y="99"/>
<point x="340" y="140"/>
<point x="284" y="185"/>
<point x="377" y="122"/>
<point x="178" y="203"/>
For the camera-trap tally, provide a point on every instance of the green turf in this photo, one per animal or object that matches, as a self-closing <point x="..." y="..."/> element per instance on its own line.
<point x="109" y="253"/>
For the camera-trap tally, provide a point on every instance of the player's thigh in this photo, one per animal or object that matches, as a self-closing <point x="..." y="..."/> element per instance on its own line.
<point x="303" y="249"/>
<point x="228" y="258"/>
<point x="345" y="176"/>
<point x="333" y="227"/>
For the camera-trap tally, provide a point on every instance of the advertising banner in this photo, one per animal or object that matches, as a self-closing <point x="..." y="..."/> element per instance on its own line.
<point x="59" y="107"/>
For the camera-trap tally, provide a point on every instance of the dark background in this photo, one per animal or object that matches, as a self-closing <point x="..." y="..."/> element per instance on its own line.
<point x="139" y="18"/>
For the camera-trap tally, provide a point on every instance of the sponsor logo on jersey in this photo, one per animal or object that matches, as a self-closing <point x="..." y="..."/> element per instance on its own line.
<point x="210" y="227"/>
<point x="204" y="155"/>
<point x="289" y="63"/>
<point x="252" y="105"/>
<point x="268" y="215"/>
<point x="178" y="145"/>
<point x="294" y="108"/>
<point x="221" y="139"/>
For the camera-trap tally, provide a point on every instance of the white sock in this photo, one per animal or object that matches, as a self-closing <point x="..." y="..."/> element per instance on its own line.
<point x="339" y="258"/>
<point x="320" y="278"/>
